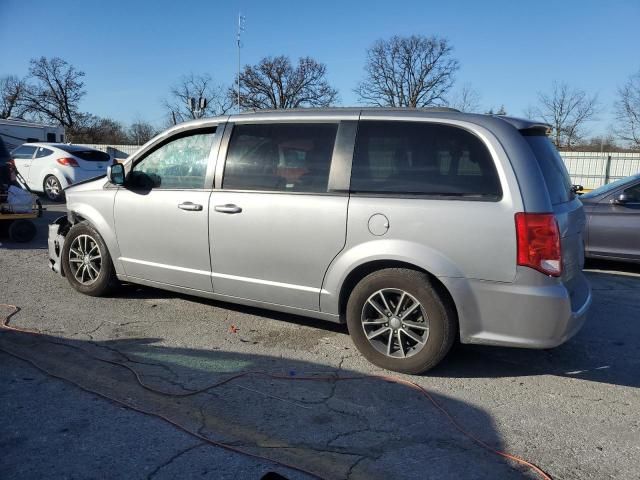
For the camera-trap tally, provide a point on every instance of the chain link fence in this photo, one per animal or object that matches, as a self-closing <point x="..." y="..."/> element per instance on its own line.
<point x="593" y="169"/>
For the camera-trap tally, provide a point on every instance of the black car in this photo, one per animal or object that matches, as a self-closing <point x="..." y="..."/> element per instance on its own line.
<point x="5" y="170"/>
<point x="613" y="220"/>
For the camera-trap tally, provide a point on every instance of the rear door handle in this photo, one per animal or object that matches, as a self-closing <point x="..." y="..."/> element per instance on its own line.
<point x="228" y="208"/>
<point x="194" y="207"/>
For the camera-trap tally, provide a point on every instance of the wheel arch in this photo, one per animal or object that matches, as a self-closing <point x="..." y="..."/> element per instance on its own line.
<point x="364" y="269"/>
<point x="52" y="172"/>
<point x="90" y="215"/>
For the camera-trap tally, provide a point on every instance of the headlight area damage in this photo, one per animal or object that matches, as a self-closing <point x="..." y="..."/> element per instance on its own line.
<point x="57" y="232"/>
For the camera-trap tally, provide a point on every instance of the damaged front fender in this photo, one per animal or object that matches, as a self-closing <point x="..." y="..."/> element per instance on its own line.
<point x="57" y="233"/>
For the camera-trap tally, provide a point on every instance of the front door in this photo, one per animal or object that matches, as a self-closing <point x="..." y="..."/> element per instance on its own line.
<point x="161" y="214"/>
<point x="275" y="228"/>
<point x="22" y="159"/>
<point x="614" y="228"/>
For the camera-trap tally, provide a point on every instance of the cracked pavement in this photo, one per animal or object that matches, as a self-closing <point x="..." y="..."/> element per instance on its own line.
<point x="574" y="411"/>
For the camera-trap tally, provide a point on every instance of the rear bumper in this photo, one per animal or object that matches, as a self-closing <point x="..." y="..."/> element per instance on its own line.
<point x="534" y="312"/>
<point x="56" y="242"/>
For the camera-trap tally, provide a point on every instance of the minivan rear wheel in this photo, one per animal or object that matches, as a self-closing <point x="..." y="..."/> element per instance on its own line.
<point x="399" y="322"/>
<point x="52" y="188"/>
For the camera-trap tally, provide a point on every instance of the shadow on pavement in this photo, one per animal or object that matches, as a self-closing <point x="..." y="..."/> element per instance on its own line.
<point x="603" y="351"/>
<point x="362" y="428"/>
<point x="132" y="291"/>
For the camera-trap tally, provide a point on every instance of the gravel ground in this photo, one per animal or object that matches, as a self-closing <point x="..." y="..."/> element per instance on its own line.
<point x="574" y="410"/>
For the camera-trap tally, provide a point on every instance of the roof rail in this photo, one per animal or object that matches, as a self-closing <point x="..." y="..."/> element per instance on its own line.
<point x="329" y="109"/>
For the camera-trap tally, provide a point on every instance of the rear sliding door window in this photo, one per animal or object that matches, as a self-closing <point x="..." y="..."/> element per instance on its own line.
<point x="418" y="158"/>
<point x="280" y="157"/>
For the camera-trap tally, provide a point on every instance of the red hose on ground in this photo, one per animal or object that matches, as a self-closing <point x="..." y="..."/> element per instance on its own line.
<point x="5" y="325"/>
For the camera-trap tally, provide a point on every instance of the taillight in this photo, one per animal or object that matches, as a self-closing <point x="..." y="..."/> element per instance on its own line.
<point x="67" y="162"/>
<point x="538" y="240"/>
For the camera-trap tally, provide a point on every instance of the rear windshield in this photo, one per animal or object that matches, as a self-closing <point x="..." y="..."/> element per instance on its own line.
<point x="553" y="169"/>
<point x="89" y="155"/>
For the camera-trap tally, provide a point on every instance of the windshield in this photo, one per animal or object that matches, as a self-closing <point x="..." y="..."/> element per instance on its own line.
<point x="610" y="187"/>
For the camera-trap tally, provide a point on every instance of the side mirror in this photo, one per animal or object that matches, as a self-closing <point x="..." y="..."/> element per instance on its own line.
<point x="115" y="174"/>
<point x="577" y="188"/>
<point x="620" y="199"/>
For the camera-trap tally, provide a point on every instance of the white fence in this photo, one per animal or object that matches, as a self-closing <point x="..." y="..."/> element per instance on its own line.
<point x="593" y="169"/>
<point x="589" y="169"/>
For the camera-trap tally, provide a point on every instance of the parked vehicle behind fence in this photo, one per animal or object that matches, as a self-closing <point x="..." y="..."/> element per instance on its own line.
<point x="51" y="167"/>
<point x="415" y="227"/>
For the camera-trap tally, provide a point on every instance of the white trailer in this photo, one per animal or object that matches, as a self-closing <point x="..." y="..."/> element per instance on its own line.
<point x="15" y="132"/>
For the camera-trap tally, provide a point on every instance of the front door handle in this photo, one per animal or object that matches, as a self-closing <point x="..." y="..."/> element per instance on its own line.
<point x="228" y="208"/>
<point x="193" y="207"/>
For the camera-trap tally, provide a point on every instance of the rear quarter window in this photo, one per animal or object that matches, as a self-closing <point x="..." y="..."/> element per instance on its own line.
<point x="555" y="173"/>
<point x="419" y="158"/>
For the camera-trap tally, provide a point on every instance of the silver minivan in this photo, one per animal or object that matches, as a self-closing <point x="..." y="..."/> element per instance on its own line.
<point x="415" y="227"/>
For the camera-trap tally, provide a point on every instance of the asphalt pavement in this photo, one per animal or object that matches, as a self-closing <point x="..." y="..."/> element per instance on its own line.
<point x="574" y="411"/>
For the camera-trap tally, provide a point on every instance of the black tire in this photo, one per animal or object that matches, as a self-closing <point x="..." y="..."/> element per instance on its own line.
<point x="4" y="227"/>
<point x="51" y="195"/>
<point x="441" y="317"/>
<point x="22" y="230"/>
<point x="106" y="280"/>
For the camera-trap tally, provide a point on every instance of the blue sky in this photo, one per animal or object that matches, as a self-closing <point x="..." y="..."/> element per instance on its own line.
<point x="132" y="51"/>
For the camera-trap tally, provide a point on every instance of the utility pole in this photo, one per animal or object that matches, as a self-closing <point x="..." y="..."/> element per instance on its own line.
<point x="241" y="20"/>
<point x="197" y="107"/>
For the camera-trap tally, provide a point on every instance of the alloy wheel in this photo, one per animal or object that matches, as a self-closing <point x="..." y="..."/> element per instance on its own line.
<point x="395" y="323"/>
<point x="52" y="188"/>
<point x="85" y="259"/>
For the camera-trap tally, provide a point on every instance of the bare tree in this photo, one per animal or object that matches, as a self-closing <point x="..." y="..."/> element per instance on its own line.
<point x="93" y="129"/>
<point x="12" y="90"/>
<point x="600" y="143"/>
<point x="57" y="91"/>
<point x="566" y="109"/>
<point x="413" y="71"/>
<point x="530" y="112"/>
<point x="467" y="99"/>
<point x="141" y="132"/>
<point x="276" y="83"/>
<point x="196" y="86"/>
<point x="627" y="110"/>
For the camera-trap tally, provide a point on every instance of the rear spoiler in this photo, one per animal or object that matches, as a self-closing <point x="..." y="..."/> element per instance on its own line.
<point x="536" y="130"/>
<point x="526" y="127"/>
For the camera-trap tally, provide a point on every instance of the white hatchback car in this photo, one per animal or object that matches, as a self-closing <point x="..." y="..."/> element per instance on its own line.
<point x="51" y="167"/>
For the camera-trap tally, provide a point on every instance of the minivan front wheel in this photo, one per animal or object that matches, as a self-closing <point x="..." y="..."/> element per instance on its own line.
<point x="399" y="322"/>
<point x="86" y="261"/>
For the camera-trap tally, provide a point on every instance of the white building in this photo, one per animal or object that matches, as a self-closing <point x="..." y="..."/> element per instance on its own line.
<point x="15" y="132"/>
